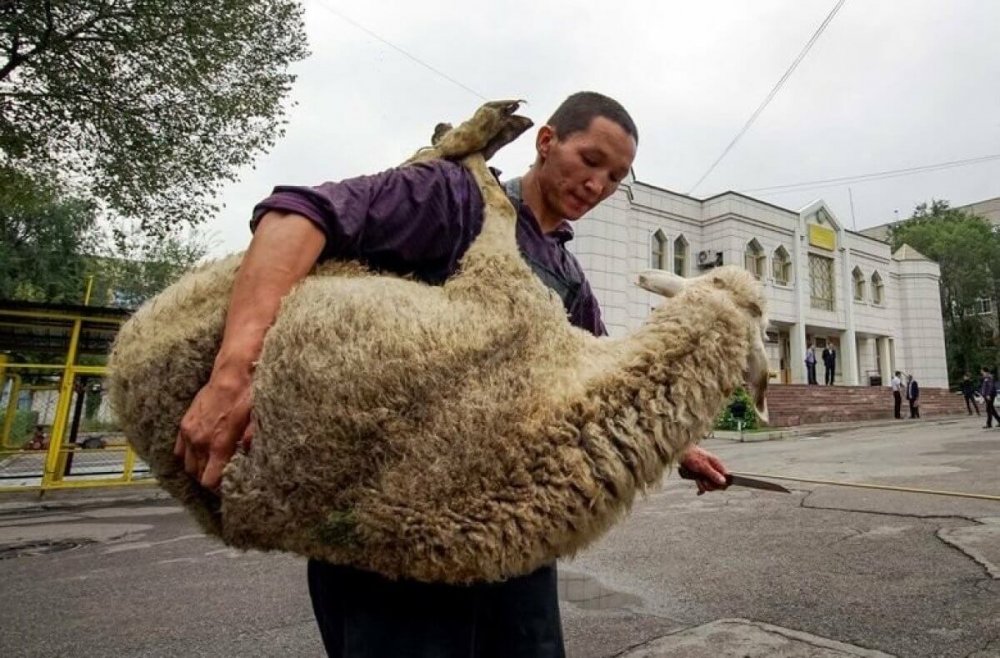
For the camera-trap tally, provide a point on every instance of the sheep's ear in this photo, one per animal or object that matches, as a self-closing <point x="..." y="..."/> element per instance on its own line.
<point x="662" y="282"/>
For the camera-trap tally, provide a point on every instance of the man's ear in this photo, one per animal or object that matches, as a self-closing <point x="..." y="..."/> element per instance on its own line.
<point x="543" y="140"/>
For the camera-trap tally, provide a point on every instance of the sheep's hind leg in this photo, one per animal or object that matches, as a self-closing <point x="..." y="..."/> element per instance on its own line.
<point x="492" y="270"/>
<point x="499" y="217"/>
<point x="492" y="126"/>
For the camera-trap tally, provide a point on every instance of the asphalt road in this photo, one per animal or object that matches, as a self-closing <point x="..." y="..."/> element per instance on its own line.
<point x="825" y="571"/>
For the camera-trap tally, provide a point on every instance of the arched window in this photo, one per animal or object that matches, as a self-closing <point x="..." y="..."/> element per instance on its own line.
<point x="658" y="254"/>
<point x="878" y="290"/>
<point x="821" y="289"/>
<point x="859" y="285"/>
<point x="680" y="256"/>
<point x="781" y="266"/>
<point x="756" y="261"/>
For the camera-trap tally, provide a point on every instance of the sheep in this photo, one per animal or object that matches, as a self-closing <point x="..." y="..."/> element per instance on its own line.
<point x="456" y="433"/>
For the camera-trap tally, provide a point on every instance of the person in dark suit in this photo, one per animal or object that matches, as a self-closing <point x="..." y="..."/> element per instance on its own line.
<point x="829" y="364"/>
<point x="988" y="389"/>
<point x="897" y="396"/>
<point x="913" y="396"/>
<point x="969" y="393"/>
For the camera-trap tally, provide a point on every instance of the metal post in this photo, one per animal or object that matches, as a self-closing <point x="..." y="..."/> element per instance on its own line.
<point x="54" y="459"/>
<point x="11" y="412"/>
<point x="79" y="385"/>
<point x="90" y="288"/>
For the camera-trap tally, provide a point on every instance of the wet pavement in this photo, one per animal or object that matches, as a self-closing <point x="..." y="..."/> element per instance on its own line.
<point x="822" y="572"/>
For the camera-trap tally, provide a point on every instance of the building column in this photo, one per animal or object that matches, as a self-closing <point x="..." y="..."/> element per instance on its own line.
<point x="871" y="351"/>
<point x="797" y="347"/>
<point x="797" y="332"/>
<point x="848" y="340"/>
<point x="884" y="359"/>
<point x="849" y="357"/>
<point x="863" y="353"/>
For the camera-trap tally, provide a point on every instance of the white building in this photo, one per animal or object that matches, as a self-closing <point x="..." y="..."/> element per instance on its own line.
<point x="825" y="284"/>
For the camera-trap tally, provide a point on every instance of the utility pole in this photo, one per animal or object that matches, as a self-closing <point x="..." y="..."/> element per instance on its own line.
<point x="854" y="221"/>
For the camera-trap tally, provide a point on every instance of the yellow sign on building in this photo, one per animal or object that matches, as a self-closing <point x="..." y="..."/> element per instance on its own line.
<point x="822" y="237"/>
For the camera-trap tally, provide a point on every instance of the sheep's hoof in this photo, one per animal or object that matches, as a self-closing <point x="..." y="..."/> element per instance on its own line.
<point x="510" y="131"/>
<point x="440" y="131"/>
<point x="491" y="127"/>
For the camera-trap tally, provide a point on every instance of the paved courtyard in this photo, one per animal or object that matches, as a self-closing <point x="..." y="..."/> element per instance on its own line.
<point x="825" y="571"/>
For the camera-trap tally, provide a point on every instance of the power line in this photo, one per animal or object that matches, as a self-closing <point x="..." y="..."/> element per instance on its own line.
<point x="877" y="175"/>
<point x="413" y="58"/>
<point x="774" y="91"/>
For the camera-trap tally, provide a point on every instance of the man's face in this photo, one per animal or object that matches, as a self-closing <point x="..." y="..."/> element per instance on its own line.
<point x="584" y="168"/>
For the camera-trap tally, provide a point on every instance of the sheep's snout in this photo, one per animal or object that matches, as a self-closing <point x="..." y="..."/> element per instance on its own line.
<point x="662" y="282"/>
<point x="758" y="374"/>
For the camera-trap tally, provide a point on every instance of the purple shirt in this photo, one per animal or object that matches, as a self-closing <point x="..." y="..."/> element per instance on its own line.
<point x="419" y="220"/>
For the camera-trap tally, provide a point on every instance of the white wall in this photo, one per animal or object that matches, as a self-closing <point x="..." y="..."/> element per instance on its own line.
<point x="614" y="243"/>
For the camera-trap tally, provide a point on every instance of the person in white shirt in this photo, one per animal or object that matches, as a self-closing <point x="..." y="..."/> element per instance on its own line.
<point x="811" y="364"/>
<point x="897" y="395"/>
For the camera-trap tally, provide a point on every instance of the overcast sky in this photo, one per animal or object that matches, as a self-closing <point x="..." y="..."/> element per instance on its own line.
<point x="890" y="84"/>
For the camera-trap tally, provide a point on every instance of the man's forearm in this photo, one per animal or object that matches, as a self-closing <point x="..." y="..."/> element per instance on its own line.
<point x="283" y="250"/>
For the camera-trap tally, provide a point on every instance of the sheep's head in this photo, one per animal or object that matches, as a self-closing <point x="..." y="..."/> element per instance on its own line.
<point x="747" y="294"/>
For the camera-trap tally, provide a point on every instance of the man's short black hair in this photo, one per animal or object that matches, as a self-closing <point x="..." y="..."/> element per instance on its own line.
<point x="576" y="112"/>
<point x="897" y="373"/>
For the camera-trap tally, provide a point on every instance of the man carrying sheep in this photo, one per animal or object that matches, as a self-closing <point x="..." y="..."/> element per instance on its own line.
<point x="419" y="220"/>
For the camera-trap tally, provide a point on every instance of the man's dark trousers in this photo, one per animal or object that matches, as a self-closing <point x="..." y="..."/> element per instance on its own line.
<point x="898" y="400"/>
<point x="363" y="615"/>
<point x="991" y="411"/>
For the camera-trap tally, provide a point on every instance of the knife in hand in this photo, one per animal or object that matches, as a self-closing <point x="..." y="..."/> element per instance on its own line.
<point x="737" y="480"/>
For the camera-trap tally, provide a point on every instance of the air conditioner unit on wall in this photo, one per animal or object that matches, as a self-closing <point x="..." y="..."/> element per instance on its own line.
<point x="708" y="258"/>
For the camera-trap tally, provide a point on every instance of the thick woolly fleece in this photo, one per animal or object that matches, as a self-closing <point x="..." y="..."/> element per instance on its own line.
<point x="458" y="433"/>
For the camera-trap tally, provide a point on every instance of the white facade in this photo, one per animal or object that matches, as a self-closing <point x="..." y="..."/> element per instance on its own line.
<point x="882" y="311"/>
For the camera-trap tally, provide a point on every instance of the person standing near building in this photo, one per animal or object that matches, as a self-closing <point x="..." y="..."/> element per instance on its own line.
<point x="829" y="364"/>
<point x="988" y="390"/>
<point x="968" y="392"/>
<point x="811" y="364"/>
<point x="418" y="221"/>
<point x="913" y="395"/>
<point x="897" y="397"/>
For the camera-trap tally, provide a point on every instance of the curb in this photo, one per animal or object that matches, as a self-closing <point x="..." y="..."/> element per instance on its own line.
<point x="783" y="433"/>
<point x="13" y="504"/>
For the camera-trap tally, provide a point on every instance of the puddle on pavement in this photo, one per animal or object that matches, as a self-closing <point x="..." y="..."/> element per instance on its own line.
<point x="590" y="594"/>
<point x="30" y="549"/>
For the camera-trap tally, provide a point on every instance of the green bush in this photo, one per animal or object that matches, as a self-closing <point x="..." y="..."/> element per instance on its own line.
<point x="23" y="426"/>
<point x="97" y="425"/>
<point x="726" y="420"/>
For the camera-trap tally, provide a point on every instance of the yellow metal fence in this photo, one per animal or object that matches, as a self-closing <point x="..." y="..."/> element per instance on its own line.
<point x="56" y="428"/>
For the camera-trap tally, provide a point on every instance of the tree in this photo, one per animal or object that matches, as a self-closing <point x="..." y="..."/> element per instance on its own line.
<point x="52" y="245"/>
<point x="44" y="238"/>
<point x="150" y="104"/>
<point x="967" y="249"/>
<point x="135" y="268"/>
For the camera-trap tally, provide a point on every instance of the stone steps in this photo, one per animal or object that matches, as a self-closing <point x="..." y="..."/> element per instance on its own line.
<point x="800" y="404"/>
